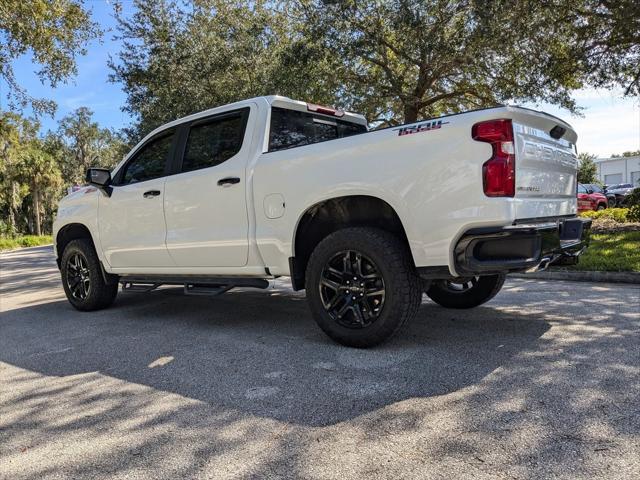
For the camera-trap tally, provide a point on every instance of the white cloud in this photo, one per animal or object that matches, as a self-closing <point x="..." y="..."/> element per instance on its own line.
<point x="610" y="123"/>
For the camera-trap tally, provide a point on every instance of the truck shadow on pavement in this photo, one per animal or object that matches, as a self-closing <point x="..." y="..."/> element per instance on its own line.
<point x="261" y="352"/>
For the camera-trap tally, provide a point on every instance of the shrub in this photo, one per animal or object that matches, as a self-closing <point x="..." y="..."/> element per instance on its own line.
<point x="620" y="215"/>
<point x="6" y="230"/>
<point x="9" y="243"/>
<point x="633" y="202"/>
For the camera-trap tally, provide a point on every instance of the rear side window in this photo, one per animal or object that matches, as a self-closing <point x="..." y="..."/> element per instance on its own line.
<point x="149" y="162"/>
<point x="291" y="128"/>
<point x="216" y="141"/>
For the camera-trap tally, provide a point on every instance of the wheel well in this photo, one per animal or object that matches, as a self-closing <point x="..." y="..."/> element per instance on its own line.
<point x="331" y="215"/>
<point x="73" y="231"/>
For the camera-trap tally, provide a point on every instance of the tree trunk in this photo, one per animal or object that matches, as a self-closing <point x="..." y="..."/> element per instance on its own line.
<point x="410" y="113"/>
<point x="36" y="208"/>
<point x="12" y="208"/>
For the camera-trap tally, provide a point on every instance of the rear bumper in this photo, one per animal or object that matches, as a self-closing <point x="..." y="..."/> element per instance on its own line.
<point x="521" y="248"/>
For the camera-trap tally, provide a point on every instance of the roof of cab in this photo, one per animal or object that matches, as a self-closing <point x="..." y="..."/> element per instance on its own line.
<point x="274" y="100"/>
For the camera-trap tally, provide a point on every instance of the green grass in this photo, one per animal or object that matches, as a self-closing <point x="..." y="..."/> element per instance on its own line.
<point x="10" y="243"/>
<point x="612" y="252"/>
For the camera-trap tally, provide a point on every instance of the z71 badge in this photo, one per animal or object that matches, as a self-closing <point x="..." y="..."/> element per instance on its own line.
<point x="420" y="127"/>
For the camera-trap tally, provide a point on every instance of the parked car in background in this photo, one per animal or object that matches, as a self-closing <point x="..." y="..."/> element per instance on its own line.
<point x="620" y="191"/>
<point x="588" y="199"/>
<point x="595" y="188"/>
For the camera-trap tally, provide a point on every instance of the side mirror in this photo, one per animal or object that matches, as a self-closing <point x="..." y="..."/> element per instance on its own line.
<point x="589" y="191"/>
<point x="101" y="178"/>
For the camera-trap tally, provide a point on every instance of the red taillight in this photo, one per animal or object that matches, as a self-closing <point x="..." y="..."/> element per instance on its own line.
<point x="312" y="107"/>
<point x="499" y="172"/>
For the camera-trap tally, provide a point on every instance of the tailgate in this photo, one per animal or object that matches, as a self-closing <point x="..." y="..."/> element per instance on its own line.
<point x="546" y="167"/>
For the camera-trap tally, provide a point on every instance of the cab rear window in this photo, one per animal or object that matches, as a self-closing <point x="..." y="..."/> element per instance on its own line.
<point x="291" y="128"/>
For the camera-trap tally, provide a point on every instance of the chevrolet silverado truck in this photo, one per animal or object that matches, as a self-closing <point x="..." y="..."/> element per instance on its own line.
<point x="365" y="221"/>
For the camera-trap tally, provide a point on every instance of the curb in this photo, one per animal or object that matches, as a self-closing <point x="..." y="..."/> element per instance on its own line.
<point x="589" y="276"/>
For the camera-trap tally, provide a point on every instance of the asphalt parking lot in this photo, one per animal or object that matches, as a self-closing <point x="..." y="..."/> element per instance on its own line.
<point x="542" y="382"/>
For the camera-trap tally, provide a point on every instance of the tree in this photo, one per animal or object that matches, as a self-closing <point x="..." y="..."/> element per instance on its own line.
<point x="80" y="143"/>
<point x="28" y="173"/>
<point x="39" y="171"/>
<point x="15" y="133"/>
<point x="626" y="154"/>
<point x="587" y="168"/>
<point x="54" y="32"/>
<point x="408" y="59"/>
<point x="33" y="170"/>
<point x="394" y="60"/>
<point x="608" y="33"/>
<point x="177" y="61"/>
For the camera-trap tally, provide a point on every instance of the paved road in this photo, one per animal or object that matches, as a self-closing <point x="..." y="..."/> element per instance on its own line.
<point x="544" y="381"/>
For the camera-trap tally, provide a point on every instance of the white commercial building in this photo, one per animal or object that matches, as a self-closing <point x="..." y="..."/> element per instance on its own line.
<point x="619" y="170"/>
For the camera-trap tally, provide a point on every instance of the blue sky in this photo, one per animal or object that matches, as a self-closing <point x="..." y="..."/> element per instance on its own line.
<point x="91" y="87"/>
<point x="611" y="124"/>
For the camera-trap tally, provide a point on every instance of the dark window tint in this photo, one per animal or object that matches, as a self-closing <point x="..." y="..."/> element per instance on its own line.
<point x="214" y="142"/>
<point x="595" y="188"/>
<point x="149" y="162"/>
<point x="291" y="128"/>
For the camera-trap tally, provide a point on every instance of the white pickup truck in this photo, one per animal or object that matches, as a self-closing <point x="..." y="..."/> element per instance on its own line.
<point x="365" y="221"/>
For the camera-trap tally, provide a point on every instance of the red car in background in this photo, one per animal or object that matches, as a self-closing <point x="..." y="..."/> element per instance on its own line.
<point x="590" y="200"/>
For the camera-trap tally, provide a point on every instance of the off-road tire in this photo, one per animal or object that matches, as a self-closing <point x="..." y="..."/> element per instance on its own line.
<point x="482" y="291"/>
<point x="99" y="294"/>
<point x="402" y="287"/>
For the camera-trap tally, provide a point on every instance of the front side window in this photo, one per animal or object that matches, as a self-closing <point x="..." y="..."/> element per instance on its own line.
<point x="581" y="189"/>
<point x="149" y="162"/>
<point x="216" y="141"/>
<point x="292" y="128"/>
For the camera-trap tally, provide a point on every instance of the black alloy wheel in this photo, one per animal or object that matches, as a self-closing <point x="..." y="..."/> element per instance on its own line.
<point x="77" y="276"/>
<point x="352" y="289"/>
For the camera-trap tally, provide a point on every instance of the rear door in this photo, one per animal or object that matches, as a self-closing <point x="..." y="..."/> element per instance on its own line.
<point x="205" y="201"/>
<point x="546" y="167"/>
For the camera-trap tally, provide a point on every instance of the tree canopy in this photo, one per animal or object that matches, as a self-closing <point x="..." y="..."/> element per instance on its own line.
<point x="627" y="154"/>
<point x="82" y="143"/>
<point x="587" y="168"/>
<point x="54" y="32"/>
<point x="395" y="61"/>
<point x="177" y="60"/>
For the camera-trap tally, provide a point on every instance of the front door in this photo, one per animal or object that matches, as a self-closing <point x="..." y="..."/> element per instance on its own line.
<point x="205" y="201"/>
<point x="131" y="221"/>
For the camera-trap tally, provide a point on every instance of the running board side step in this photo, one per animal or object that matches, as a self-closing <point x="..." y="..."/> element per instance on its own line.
<point x="190" y="289"/>
<point x="193" y="284"/>
<point x="139" y="287"/>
